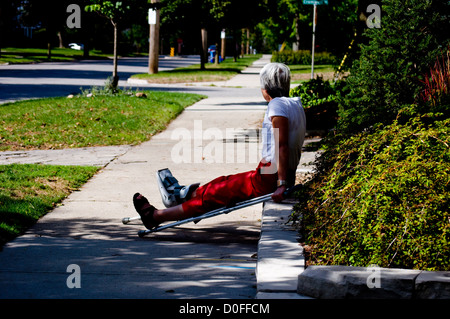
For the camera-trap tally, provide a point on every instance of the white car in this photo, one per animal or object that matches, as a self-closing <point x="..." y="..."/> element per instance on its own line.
<point x="76" y="46"/>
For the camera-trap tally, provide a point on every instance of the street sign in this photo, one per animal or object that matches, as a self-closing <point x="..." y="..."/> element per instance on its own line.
<point x="151" y="16"/>
<point x="315" y="2"/>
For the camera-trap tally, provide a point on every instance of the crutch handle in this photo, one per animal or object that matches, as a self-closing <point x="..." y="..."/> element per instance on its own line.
<point x="292" y="189"/>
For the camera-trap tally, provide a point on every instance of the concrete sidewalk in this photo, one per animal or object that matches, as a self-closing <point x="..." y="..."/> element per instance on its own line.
<point x="86" y="156"/>
<point x="208" y="260"/>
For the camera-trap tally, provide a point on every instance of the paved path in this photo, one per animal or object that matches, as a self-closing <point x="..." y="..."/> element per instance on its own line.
<point x="88" y="156"/>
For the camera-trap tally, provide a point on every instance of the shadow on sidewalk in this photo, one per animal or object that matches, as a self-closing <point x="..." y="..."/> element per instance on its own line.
<point x="112" y="229"/>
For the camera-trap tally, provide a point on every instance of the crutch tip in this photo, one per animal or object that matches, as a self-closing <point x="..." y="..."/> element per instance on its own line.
<point x="142" y="233"/>
<point x="126" y="220"/>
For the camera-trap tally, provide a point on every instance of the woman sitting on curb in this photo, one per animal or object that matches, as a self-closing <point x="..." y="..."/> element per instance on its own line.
<point x="285" y="127"/>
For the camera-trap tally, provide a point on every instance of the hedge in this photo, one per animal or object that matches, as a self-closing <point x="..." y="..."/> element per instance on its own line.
<point x="385" y="199"/>
<point x="290" y="57"/>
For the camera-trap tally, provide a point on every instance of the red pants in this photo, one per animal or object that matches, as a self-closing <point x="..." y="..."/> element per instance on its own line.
<point x="227" y="190"/>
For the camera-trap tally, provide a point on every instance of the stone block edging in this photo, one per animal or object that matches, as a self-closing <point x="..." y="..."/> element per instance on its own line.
<point x="342" y="282"/>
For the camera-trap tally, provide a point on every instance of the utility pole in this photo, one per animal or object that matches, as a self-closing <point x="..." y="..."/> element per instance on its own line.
<point x="315" y="3"/>
<point x="313" y="40"/>
<point x="153" y="53"/>
<point x="224" y="41"/>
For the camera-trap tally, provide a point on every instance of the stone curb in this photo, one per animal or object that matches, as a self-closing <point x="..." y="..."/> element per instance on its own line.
<point x="341" y="282"/>
<point x="280" y="256"/>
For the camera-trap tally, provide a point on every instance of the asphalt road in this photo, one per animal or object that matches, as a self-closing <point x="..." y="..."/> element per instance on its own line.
<point x="25" y="81"/>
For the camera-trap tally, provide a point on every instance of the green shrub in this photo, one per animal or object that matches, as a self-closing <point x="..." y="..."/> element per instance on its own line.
<point x="290" y="57"/>
<point x="388" y="75"/>
<point x="316" y="92"/>
<point x="382" y="197"/>
<point x="319" y="98"/>
<point x="381" y="194"/>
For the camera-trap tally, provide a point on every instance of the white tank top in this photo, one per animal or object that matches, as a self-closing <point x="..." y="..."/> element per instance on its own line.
<point x="292" y="109"/>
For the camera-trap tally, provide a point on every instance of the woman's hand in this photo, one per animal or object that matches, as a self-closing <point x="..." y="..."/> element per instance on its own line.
<point x="277" y="196"/>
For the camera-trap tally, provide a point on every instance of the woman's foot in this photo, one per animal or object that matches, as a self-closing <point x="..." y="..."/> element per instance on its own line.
<point x="145" y="210"/>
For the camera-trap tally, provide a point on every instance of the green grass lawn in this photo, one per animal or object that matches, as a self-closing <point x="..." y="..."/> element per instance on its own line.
<point x="35" y="55"/>
<point x="56" y="123"/>
<point x="301" y="72"/>
<point x="29" y="191"/>
<point x="303" y="68"/>
<point x="213" y="72"/>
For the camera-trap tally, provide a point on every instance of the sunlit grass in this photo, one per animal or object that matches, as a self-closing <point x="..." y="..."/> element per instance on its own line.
<point x="100" y="120"/>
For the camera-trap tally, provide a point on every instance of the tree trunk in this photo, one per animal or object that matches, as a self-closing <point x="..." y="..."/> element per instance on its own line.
<point x="115" y="79"/>
<point x="86" y="39"/>
<point x="153" y="53"/>
<point x="242" y="43"/>
<point x="61" y="45"/>
<point x="86" y="49"/>
<point x="49" y="34"/>
<point x="204" y="49"/>
<point x="247" y="48"/>
<point x="297" y="32"/>
<point x="49" y="50"/>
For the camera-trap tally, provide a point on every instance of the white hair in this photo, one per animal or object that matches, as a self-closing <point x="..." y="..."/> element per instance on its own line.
<point x="276" y="79"/>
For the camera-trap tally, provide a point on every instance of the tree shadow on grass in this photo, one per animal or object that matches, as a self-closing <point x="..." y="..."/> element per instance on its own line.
<point x="18" y="215"/>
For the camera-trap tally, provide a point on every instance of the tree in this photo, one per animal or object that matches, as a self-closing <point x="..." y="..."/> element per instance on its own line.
<point x="300" y="15"/>
<point x="387" y="76"/>
<point x="215" y="15"/>
<point x="46" y="14"/>
<point x="188" y="17"/>
<point x="283" y="25"/>
<point x="114" y="11"/>
<point x="290" y="21"/>
<point x="239" y="15"/>
<point x="8" y="13"/>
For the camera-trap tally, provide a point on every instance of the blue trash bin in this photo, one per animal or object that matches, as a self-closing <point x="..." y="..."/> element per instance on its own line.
<point x="212" y="52"/>
<point x="211" y="56"/>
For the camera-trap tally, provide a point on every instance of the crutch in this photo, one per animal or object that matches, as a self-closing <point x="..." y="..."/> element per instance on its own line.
<point x="126" y="220"/>
<point x="216" y="212"/>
